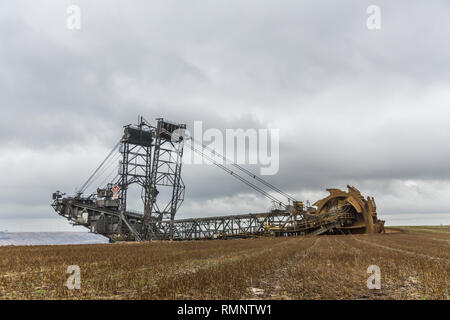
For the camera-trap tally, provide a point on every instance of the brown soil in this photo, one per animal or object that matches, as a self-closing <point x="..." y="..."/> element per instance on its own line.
<point x="414" y="264"/>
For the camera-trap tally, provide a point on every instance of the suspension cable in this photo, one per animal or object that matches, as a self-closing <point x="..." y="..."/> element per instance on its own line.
<point x="237" y="176"/>
<point x="254" y="176"/>
<point x="249" y="173"/>
<point x="112" y="162"/>
<point x="87" y="183"/>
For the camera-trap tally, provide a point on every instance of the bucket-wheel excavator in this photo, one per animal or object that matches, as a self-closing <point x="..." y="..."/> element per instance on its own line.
<point x="150" y="157"/>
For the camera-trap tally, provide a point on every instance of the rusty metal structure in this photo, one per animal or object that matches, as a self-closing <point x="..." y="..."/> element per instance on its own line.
<point x="150" y="157"/>
<point x="362" y="212"/>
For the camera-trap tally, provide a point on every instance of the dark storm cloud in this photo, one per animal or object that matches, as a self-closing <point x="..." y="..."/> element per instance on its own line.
<point x="352" y="105"/>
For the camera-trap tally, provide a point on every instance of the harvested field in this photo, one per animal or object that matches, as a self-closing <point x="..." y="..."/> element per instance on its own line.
<point x="414" y="264"/>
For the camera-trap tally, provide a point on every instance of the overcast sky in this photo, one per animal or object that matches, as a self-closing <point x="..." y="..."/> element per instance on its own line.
<point x="355" y="106"/>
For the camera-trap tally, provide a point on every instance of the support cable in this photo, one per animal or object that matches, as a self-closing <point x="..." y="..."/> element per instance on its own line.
<point x="237" y="176"/>
<point x="87" y="183"/>
<point x="105" y="168"/>
<point x="249" y="173"/>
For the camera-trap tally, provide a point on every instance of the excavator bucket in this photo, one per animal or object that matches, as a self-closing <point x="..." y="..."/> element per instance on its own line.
<point x="358" y="215"/>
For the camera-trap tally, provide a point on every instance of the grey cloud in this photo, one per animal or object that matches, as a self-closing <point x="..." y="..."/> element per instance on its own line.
<point x="353" y="106"/>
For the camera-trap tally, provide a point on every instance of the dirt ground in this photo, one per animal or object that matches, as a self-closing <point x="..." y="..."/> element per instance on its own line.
<point x="414" y="263"/>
